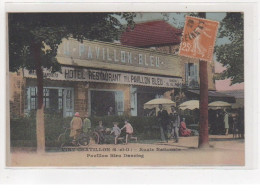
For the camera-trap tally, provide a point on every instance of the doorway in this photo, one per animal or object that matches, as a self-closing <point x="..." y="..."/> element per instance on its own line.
<point x="101" y="101"/>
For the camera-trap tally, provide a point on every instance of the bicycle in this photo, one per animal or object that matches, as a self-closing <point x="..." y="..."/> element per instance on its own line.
<point x="82" y="140"/>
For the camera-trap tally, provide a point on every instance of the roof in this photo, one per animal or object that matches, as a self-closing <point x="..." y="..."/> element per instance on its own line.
<point x="212" y="93"/>
<point x="151" y="33"/>
<point x="235" y="93"/>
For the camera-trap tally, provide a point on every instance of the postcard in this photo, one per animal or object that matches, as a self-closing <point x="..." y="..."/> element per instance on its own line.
<point x="126" y="89"/>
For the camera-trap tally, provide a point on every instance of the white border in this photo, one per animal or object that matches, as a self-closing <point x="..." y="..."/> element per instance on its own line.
<point x="123" y="175"/>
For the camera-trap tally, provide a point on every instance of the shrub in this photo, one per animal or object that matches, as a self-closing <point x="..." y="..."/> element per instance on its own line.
<point x="23" y="129"/>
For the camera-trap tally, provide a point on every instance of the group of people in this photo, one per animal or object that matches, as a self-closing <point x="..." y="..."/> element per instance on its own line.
<point x="77" y="126"/>
<point x="173" y="120"/>
<point x="223" y="122"/>
<point x="117" y="131"/>
<point x="237" y="124"/>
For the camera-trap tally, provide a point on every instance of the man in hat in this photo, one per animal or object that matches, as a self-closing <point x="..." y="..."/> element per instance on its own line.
<point x="175" y="123"/>
<point x="163" y="119"/>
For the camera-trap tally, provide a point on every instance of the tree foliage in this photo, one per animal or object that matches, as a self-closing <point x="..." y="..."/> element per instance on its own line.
<point x="231" y="54"/>
<point x="29" y="29"/>
<point x="34" y="39"/>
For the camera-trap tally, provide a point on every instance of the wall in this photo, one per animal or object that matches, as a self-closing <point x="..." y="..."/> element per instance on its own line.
<point x="173" y="49"/>
<point x="210" y="68"/>
<point x="81" y="97"/>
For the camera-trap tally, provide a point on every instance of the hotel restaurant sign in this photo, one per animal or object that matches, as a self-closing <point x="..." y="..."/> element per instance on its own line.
<point x="102" y="76"/>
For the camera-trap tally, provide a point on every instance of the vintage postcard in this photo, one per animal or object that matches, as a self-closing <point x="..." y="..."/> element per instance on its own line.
<point x="98" y="89"/>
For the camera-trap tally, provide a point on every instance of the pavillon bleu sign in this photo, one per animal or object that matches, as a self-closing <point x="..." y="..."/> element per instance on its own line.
<point x="102" y="55"/>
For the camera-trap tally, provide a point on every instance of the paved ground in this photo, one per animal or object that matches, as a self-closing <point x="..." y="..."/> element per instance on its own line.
<point x="224" y="151"/>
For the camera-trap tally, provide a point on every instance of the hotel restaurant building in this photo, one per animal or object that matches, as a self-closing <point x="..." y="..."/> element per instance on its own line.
<point x="97" y="75"/>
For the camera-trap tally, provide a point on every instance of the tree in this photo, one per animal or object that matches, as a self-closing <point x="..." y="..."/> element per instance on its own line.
<point x="231" y="54"/>
<point x="34" y="39"/>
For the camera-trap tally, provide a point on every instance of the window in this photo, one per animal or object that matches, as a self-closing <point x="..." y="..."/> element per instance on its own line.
<point x="33" y="98"/>
<point x="46" y="98"/>
<point x="119" y="102"/>
<point x="191" y="75"/>
<point x="59" y="100"/>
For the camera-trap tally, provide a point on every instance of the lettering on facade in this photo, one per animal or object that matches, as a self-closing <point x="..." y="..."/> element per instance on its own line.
<point x="108" y="53"/>
<point x="93" y="75"/>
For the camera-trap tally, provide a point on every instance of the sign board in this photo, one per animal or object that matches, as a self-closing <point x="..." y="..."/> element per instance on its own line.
<point x="198" y="39"/>
<point x="95" y="75"/>
<point x="102" y="55"/>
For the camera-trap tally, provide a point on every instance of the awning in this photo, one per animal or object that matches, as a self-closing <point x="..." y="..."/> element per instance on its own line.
<point x="213" y="96"/>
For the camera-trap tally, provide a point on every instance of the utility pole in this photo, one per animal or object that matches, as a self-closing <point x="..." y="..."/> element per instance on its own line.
<point x="203" y="74"/>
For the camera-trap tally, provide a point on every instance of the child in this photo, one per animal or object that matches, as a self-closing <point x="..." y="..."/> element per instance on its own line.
<point x="116" y="130"/>
<point x="129" y="130"/>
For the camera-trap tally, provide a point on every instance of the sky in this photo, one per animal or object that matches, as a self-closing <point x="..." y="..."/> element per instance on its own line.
<point x="224" y="85"/>
<point x="177" y="20"/>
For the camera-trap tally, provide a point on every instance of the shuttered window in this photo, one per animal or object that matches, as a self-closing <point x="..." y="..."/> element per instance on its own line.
<point x="55" y="99"/>
<point x="191" y="75"/>
<point x="119" y="101"/>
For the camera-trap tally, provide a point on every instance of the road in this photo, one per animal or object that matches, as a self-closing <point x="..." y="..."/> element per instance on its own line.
<point x="223" y="151"/>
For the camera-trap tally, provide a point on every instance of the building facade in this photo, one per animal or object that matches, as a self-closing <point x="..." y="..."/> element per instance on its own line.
<point x="96" y="76"/>
<point x="163" y="37"/>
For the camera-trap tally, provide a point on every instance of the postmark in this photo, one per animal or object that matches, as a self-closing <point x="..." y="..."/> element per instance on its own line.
<point x="198" y="39"/>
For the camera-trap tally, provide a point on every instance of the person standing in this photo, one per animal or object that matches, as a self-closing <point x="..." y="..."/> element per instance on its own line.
<point x="75" y="127"/>
<point x="226" y="116"/>
<point x="101" y="130"/>
<point x="220" y="123"/>
<point x="163" y="119"/>
<point x="234" y="126"/>
<point x="86" y="124"/>
<point x="241" y="123"/>
<point x="175" y="124"/>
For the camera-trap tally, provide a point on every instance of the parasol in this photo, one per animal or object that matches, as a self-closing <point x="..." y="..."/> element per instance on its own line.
<point x="154" y="103"/>
<point x="219" y="105"/>
<point x="191" y="105"/>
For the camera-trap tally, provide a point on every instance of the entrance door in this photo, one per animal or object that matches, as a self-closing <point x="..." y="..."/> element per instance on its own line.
<point x="142" y="98"/>
<point x="101" y="101"/>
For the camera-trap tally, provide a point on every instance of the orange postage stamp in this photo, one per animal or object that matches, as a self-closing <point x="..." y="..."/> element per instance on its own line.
<point x="198" y="38"/>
